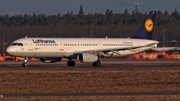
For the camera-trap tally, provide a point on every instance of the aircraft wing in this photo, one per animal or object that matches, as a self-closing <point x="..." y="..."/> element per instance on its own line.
<point x="113" y="49"/>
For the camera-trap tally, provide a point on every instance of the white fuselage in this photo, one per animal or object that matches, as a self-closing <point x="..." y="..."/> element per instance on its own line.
<point x="67" y="47"/>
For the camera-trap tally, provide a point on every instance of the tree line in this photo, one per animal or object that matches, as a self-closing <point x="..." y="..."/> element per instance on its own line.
<point x="97" y="25"/>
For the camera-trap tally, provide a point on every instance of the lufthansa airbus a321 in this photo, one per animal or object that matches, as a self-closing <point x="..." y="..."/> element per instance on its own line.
<point x="85" y="50"/>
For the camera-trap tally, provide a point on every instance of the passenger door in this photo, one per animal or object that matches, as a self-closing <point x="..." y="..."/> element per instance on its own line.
<point x="30" y="45"/>
<point x="61" y="46"/>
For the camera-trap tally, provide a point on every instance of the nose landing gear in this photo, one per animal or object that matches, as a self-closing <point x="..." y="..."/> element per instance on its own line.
<point x="24" y="64"/>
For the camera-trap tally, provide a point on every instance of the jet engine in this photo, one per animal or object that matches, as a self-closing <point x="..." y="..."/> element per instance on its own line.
<point x="50" y="59"/>
<point x="86" y="57"/>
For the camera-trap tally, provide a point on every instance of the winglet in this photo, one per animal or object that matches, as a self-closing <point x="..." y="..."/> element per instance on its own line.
<point x="146" y="29"/>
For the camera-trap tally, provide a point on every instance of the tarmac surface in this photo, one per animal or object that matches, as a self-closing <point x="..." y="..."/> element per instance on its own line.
<point x="120" y="63"/>
<point x="113" y="63"/>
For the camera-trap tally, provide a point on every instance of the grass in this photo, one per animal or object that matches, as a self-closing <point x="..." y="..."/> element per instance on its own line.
<point x="97" y="98"/>
<point x="59" y="80"/>
<point x="89" y="80"/>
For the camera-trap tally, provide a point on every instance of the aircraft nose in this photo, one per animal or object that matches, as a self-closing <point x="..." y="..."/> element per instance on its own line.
<point x="9" y="50"/>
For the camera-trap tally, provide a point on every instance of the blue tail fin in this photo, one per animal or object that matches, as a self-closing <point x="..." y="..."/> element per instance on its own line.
<point x="146" y="29"/>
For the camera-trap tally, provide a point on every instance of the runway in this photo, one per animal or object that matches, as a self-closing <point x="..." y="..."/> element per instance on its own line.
<point x="120" y="63"/>
<point x="112" y="63"/>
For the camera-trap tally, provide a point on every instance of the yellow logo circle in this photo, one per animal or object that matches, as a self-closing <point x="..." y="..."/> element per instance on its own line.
<point x="149" y="25"/>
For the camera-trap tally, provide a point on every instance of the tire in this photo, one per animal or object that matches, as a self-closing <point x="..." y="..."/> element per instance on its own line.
<point x="24" y="64"/>
<point x="96" y="64"/>
<point x="71" y="63"/>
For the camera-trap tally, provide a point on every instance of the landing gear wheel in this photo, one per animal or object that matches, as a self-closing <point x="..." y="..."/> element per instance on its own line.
<point x="96" y="64"/>
<point x="71" y="63"/>
<point x="24" y="64"/>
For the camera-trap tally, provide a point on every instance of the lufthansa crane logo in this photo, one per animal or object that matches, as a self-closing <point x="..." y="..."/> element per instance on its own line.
<point x="149" y="25"/>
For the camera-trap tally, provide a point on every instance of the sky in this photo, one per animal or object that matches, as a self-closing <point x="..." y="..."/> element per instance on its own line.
<point x="50" y="7"/>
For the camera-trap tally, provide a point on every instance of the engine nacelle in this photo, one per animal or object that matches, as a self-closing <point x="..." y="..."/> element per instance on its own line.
<point x="50" y="60"/>
<point x="86" y="57"/>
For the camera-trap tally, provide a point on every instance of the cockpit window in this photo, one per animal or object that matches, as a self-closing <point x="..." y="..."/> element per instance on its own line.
<point x="17" y="44"/>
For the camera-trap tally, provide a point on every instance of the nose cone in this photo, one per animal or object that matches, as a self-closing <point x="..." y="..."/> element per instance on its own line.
<point x="14" y="50"/>
<point x="10" y="50"/>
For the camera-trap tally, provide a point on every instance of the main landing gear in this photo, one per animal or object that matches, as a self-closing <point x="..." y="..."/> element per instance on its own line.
<point x="71" y="63"/>
<point x="97" y="63"/>
<point x="24" y="64"/>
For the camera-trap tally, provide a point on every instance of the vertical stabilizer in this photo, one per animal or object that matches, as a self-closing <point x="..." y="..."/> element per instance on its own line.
<point x="146" y="29"/>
